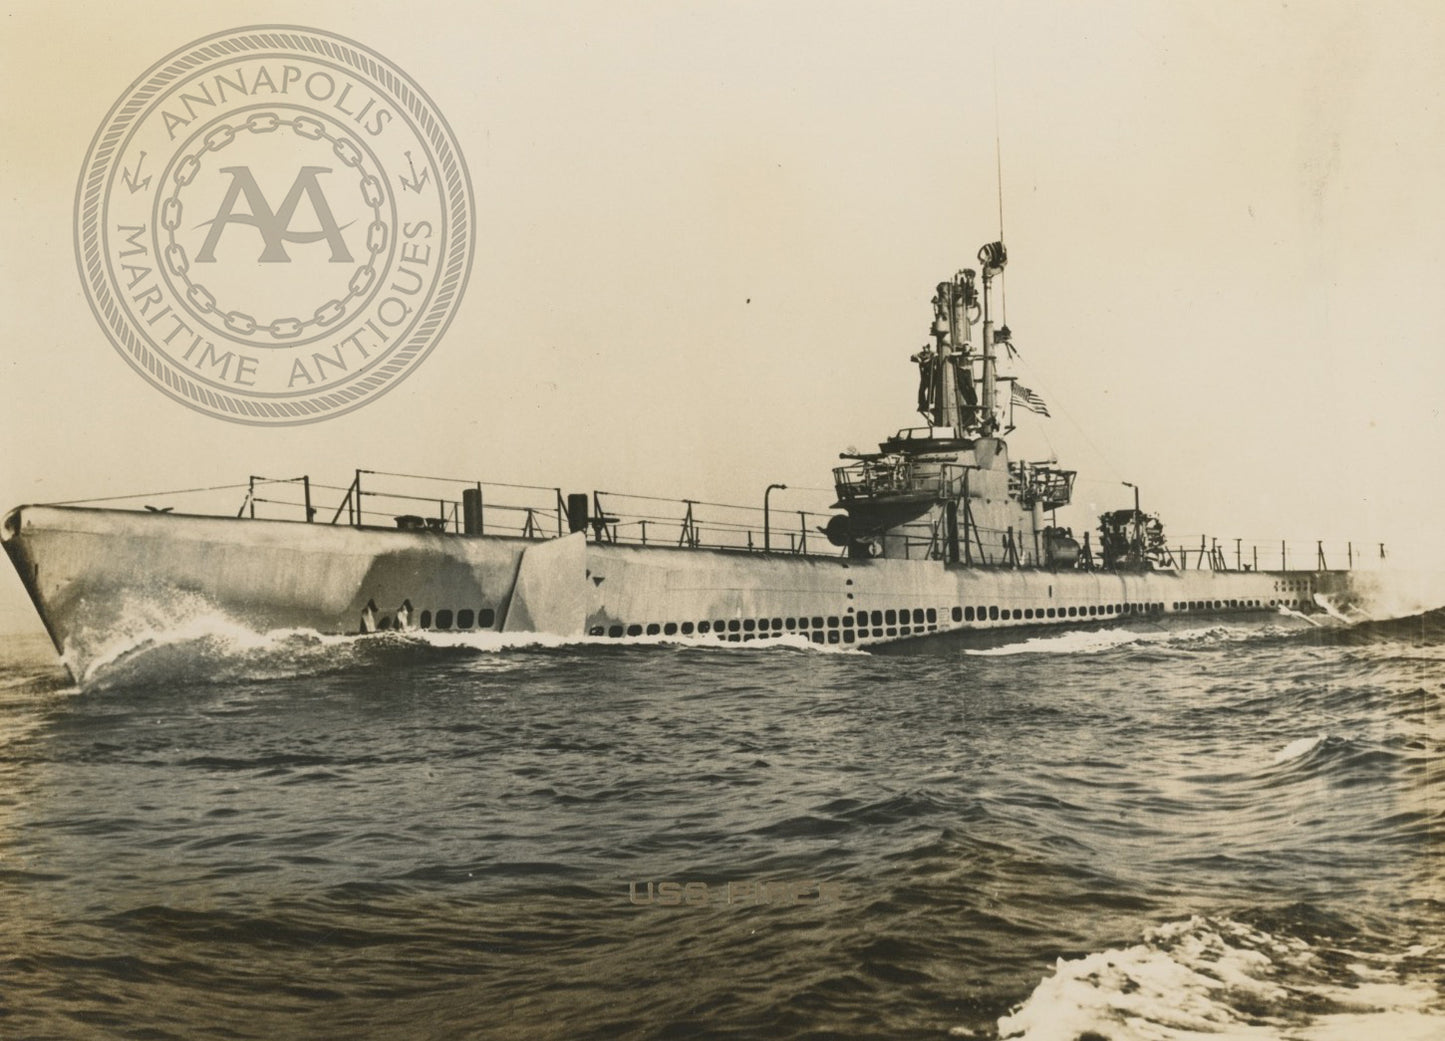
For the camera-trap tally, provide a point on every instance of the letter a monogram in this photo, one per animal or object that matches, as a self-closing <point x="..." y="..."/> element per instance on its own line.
<point x="275" y="228"/>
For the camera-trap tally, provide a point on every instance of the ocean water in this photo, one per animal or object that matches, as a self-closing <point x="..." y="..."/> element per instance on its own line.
<point x="1160" y="833"/>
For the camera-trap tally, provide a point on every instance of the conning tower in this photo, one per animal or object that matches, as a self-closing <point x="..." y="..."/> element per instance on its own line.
<point x="947" y="491"/>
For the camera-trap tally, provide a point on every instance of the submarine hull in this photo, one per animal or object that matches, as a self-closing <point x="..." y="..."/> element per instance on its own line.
<point x="97" y="576"/>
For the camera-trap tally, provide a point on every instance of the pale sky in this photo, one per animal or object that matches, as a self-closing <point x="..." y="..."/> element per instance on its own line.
<point x="708" y="234"/>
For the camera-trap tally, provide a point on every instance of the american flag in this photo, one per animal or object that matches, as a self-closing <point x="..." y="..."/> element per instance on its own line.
<point x="1028" y="399"/>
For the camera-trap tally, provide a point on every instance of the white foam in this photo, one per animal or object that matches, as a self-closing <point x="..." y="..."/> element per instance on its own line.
<point x="1382" y="595"/>
<point x="206" y="646"/>
<point x="486" y="640"/>
<point x="1094" y="641"/>
<point x="186" y="635"/>
<point x="1399" y="1025"/>
<point x="1298" y="747"/>
<point x="1340" y="610"/>
<point x="150" y="623"/>
<point x="1218" y="979"/>
<point x="1144" y="993"/>
<point x="1290" y="612"/>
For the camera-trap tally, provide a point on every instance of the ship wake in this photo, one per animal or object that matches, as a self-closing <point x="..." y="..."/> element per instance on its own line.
<point x="186" y="639"/>
<point x="1221" y="978"/>
<point x="1098" y="641"/>
<point x="1386" y="595"/>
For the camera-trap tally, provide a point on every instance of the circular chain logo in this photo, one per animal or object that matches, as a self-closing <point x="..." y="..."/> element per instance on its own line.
<point x="274" y="225"/>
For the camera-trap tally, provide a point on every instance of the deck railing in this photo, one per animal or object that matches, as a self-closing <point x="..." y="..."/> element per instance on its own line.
<point x="380" y="499"/>
<point x="1208" y="553"/>
<point x="899" y="477"/>
<point x="439" y="504"/>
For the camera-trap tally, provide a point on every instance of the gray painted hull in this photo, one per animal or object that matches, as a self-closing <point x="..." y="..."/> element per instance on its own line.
<point x="92" y="573"/>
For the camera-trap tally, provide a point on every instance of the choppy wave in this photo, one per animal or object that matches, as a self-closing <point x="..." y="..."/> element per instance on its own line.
<point x="1299" y="747"/>
<point x="410" y="827"/>
<point x="1420" y="629"/>
<point x="1220" y="978"/>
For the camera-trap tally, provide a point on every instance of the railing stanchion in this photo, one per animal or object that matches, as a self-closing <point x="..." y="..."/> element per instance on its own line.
<point x="688" y="535"/>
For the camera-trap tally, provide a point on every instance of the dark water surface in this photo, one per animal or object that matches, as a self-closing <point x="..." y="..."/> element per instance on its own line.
<point x="1227" y="831"/>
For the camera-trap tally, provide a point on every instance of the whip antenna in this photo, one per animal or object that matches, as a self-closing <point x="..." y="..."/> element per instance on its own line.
<point x="998" y="174"/>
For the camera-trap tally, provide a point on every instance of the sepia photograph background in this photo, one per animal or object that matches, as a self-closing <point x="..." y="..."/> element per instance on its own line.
<point x="707" y="235"/>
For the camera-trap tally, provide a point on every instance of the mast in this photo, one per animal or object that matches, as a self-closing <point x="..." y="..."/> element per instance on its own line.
<point x="956" y="349"/>
<point x="947" y="369"/>
<point x="948" y="348"/>
<point x="992" y="257"/>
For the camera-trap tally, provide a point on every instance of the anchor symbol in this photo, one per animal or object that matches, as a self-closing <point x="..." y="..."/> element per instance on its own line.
<point x="417" y="183"/>
<point x="129" y="176"/>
